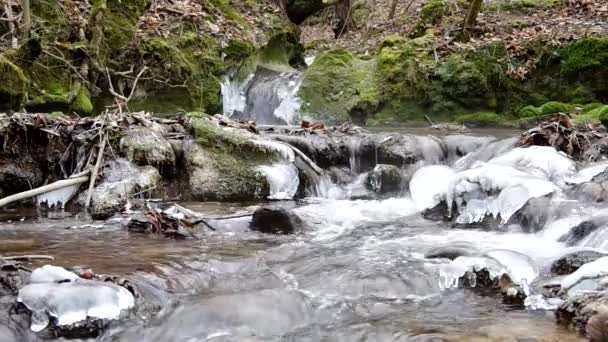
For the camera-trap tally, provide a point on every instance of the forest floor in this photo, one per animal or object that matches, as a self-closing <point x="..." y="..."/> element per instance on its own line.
<point x="511" y="21"/>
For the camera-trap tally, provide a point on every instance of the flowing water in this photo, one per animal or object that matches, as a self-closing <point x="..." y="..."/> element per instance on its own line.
<point x="357" y="273"/>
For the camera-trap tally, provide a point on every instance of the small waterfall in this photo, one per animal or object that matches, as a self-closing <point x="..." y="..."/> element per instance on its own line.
<point x="354" y="145"/>
<point x="269" y="97"/>
<point x="283" y="180"/>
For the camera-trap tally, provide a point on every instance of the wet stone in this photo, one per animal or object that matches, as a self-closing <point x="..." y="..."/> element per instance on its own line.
<point x="275" y="221"/>
<point x="384" y="179"/>
<point x="569" y="263"/>
<point x="581" y="231"/>
<point x="448" y="252"/>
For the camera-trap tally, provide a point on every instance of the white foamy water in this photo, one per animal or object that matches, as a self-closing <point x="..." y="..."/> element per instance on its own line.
<point x="283" y="180"/>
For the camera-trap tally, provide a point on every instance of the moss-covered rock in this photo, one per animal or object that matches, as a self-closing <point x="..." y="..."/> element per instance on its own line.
<point x="13" y="84"/>
<point x="340" y="86"/>
<point x="145" y="146"/>
<point x="433" y="11"/>
<point x="556" y="107"/>
<point x="222" y="163"/>
<point x="518" y="6"/>
<point x="481" y="119"/>
<point x="592" y="114"/>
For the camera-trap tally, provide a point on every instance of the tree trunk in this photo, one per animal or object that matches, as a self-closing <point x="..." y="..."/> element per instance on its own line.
<point x="471" y="18"/>
<point x="27" y="16"/>
<point x="343" y="15"/>
<point x="391" y="14"/>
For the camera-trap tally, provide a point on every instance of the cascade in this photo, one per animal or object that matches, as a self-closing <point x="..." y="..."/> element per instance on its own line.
<point x="269" y="97"/>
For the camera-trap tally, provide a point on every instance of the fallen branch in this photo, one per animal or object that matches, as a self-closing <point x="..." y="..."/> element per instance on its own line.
<point x="42" y="190"/>
<point x="28" y="257"/>
<point x="304" y="158"/>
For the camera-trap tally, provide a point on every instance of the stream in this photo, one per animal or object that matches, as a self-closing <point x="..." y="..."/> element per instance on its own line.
<point x="357" y="273"/>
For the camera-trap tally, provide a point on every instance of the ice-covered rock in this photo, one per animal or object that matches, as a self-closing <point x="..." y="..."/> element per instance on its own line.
<point x="430" y="184"/>
<point x="588" y="173"/>
<point x="51" y="274"/>
<point x="122" y="179"/>
<point x="57" y="295"/>
<point x="485" y="153"/>
<point x="593" y="270"/>
<point x="514" y="187"/>
<point x="451" y="273"/>
<point x="571" y="262"/>
<point x="541" y="161"/>
<point x="520" y="267"/>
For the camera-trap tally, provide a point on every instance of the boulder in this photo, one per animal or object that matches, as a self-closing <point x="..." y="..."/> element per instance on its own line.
<point x="582" y="230"/>
<point x="275" y="221"/>
<point x="214" y="175"/>
<point x="384" y="179"/>
<point x="122" y="180"/>
<point x="450" y="252"/>
<point x="571" y="262"/>
<point x="578" y="312"/>
<point x="145" y="146"/>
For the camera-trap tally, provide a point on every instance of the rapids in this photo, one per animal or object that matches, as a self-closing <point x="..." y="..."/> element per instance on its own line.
<point x="357" y="273"/>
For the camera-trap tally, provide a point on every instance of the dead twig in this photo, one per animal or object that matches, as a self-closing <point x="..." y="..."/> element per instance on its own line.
<point x="102" y="146"/>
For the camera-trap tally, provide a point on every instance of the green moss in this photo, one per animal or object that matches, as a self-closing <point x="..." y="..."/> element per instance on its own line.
<point x="433" y="11"/>
<point x="341" y="86"/>
<point x="519" y="23"/>
<point x="195" y="60"/>
<point x="56" y="115"/>
<point x="556" y="107"/>
<point x="199" y="115"/>
<point x="209" y="135"/>
<point x="13" y="83"/>
<point x="603" y="117"/>
<point x="529" y="112"/>
<point x="590" y="106"/>
<point x="82" y="103"/>
<point x="598" y="114"/>
<point x="481" y="119"/>
<point x="238" y="49"/>
<point x="404" y="67"/>
<point x="518" y="6"/>
<point x="282" y="49"/>
<point x="585" y="54"/>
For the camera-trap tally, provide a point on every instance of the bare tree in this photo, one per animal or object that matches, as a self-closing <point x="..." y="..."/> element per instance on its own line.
<point x="471" y="18"/>
<point x="391" y="13"/>
<point x="27" y="16"/>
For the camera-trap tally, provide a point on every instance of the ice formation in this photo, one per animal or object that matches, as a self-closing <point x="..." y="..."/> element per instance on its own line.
<point x="541" y="161"/>
<point x="282" y="178"/>
<point x="587" y="174"/>
<point x="593" y="270"/>
<point x="430" y="184"/>
<point x="51" y="274"/>
<point x="282" y="149"/>
<point x="57" y="198"/>
<point x="56" y="293"/>
<point x="514" y="189"/>
<point x="519" y="267"/>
